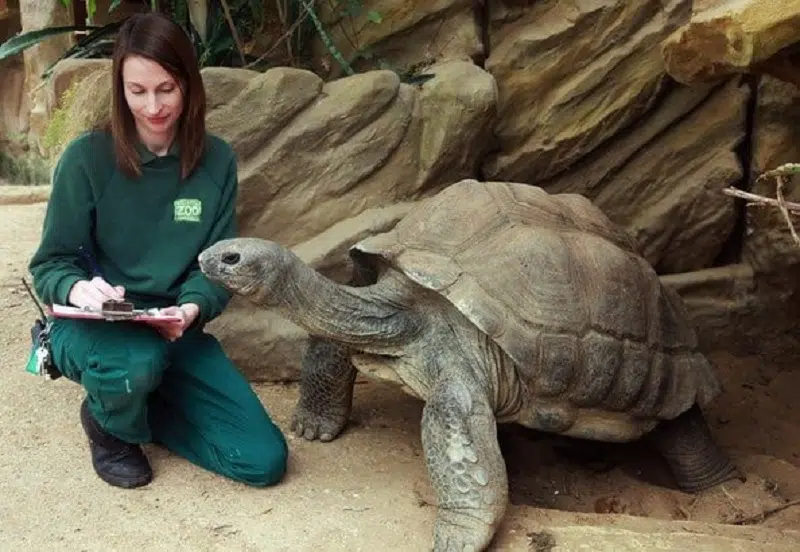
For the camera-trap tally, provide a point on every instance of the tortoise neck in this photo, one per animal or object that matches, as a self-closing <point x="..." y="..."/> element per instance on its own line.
<point x="373" y="319"/>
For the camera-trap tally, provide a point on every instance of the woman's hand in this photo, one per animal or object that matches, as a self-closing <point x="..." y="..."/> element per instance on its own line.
<point x="93" y="293"/>
<point x="188" y="312"/>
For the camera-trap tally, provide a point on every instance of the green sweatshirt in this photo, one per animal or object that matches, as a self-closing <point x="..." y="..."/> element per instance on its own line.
<point x="143" y="234"/>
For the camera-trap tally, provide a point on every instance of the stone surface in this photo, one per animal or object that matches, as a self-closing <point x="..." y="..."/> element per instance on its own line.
<point x="662" y="177"/>
<point x="37" y="14"/>
<point x="734" y="36"/>
<point x="222" y="84"/>
<point x="312" y="153"/>
<point x="669" y="194"/>
<point x="87" y="105"/>
<point x="768" y="244"/>
<point x="69" y="71"/>
<point x="410" y="33"/>
<point x="13" y="102"/>
<point x="328" y="251"/>
<point x="718" y="300"/>
<point x="743" y="313"/>
<point x="571" y="75"/>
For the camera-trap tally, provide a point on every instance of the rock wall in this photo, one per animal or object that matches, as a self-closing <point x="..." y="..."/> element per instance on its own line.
<point x="13" y="102"/>
<point x="728" y="37"/>
<point x="571" y="75"/>
<point x="37" y="14"/>
<point x="313" y="153"/>
<point x="13" y="118"/>
<point x="572" y="96"/>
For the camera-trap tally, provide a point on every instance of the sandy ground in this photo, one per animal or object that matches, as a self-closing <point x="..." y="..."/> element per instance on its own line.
<point x="368" y="490"/>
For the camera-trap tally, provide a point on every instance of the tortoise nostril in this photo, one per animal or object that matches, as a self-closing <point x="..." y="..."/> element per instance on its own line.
<point x="231" y="258"/>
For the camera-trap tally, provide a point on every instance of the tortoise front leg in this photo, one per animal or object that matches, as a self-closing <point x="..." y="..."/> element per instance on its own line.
<point x="326" y="391"/>
<point x="465" y="465"/>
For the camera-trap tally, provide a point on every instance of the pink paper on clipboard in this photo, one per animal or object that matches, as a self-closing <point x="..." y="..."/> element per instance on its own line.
<point x="150" y="316"/>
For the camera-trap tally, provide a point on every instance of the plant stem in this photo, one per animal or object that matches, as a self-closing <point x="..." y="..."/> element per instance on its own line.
<point x="326" y="39"/>
<point x="285" y="36"/>
<point x="232" y="27"/>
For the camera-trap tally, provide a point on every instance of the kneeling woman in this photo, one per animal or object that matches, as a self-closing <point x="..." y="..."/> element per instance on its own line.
<point x="140" y="200"/>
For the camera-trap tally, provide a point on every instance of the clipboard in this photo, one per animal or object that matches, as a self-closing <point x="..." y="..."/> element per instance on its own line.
<point x="146" y="316"/>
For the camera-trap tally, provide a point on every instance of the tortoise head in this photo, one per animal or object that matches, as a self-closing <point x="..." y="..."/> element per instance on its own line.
<point x="249" y="267"/>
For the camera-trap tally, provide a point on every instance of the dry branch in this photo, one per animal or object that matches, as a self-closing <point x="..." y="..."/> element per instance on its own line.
<point x="759" y="518"/>
<point x="781" y="175"/>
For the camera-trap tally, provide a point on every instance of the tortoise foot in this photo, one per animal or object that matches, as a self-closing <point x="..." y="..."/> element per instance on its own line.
<point x="326" y="391"/>
<point x="459" y="532"/>
<point x="312" y="425"/>
<point x="695" y="459"/>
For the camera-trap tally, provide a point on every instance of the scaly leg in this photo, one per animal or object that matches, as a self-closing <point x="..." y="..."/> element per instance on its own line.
<point x="696" y="460"/>
<point x="326" y="391"/>
<point x="465" y="465"/>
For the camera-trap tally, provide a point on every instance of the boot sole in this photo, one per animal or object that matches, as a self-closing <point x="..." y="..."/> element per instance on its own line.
<point x="125" y="483"/>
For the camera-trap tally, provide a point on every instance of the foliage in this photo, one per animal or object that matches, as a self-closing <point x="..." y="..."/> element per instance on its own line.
<point x="59" y="121"/>
<point x="223" y="44"/>
<point x="345" y="13"/>
<point x="231" y="25"/>
<point x="26" y="169"/>
<point x="326" y="39"/>
<point x="219" y="48"/>
<point x="21" y="42"/>
<point x="84" y="105"/>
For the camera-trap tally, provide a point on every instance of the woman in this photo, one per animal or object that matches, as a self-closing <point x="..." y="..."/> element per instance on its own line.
<point x="131" y="208"/>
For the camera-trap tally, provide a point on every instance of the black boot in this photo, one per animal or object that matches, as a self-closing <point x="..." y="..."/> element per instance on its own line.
<point x="116" y="462"/>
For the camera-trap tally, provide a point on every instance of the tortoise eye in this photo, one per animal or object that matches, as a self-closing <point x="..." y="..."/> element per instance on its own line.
<point x="231" y="258"/>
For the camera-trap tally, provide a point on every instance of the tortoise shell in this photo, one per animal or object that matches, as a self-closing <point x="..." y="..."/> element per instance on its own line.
<point x="562" y="291"/>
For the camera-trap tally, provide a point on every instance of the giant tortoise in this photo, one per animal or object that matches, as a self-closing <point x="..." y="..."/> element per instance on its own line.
<point x="494" y="302"/>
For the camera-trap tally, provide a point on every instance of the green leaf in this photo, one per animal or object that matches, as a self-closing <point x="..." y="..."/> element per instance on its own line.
<point x="23" y="41"/>
<point x="374" y="16"/>
<point x="91" y="9"/>
<point x="88" y="44"/>
<point x="113" y="6"/>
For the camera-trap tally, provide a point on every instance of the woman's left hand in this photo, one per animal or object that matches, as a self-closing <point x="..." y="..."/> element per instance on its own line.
<point x="188" y="312"/>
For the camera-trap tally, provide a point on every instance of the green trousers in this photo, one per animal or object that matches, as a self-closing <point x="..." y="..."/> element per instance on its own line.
<point x="186" y="395"/>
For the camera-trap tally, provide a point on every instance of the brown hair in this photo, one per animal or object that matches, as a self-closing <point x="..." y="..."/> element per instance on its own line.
<point x="156" y="37"/>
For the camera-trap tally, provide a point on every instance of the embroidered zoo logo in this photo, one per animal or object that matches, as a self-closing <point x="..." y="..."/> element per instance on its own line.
<point x="188" y="210"/>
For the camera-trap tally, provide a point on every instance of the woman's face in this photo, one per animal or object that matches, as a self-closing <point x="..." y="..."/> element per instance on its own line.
<point x="154" y="98"/>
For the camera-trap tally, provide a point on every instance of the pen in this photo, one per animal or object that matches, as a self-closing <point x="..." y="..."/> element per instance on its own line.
<point x="92" y="263"/>
<point x="97" y="272"/>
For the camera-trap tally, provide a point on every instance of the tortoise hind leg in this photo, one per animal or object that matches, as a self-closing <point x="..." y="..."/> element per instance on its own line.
<point x="696" y="461"/>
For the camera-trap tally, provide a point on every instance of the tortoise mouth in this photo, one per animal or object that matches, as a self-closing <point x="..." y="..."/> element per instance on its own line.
<point x="233" y="281"/>
<point x="217" y="271"/>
